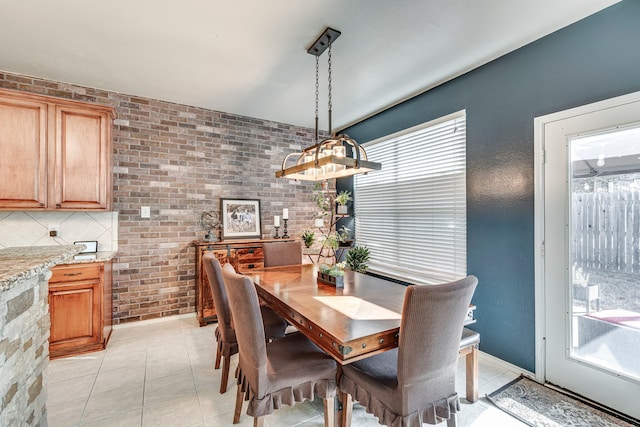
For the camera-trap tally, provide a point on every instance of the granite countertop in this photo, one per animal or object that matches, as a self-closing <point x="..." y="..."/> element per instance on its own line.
<point x="21" y="263"/>
<point x="99" y="256"/>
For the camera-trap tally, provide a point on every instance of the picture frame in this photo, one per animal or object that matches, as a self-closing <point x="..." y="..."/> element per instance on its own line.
<point x="240" y="219"/>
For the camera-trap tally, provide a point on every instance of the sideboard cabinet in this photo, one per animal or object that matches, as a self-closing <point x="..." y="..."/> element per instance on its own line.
<point x="55" y="154"/>
<point x="80" y="306"/>
<point x="244" y="255"/>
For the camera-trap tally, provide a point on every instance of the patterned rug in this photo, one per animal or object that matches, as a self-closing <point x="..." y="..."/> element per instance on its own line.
<point x="540" y="406"/>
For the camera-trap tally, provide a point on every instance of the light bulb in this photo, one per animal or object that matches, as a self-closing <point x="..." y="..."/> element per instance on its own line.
<point x="600" y="161"/>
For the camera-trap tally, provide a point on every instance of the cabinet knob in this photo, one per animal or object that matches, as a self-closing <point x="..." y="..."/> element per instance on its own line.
<point x="72" y="274"/>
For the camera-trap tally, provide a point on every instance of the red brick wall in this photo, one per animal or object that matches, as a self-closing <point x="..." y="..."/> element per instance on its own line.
<point x="180" y="160"/>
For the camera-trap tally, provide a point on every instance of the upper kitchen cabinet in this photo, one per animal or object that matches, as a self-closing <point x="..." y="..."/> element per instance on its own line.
<point x="55" y="154"/>
<point x="23" y="153"/>
<point x="82" y="158"/>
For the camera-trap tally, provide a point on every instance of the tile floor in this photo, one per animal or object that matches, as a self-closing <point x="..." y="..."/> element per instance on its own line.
<point x="161" y="374"/>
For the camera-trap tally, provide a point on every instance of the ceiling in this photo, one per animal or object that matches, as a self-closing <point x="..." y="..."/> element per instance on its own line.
<point x="249" y="56"/>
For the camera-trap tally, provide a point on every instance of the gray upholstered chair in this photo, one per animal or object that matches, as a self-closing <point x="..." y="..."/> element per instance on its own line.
<point x="288" y="370"/>
<point x="414" y="383"/>
<point x="225" y="333"/>
<point x="282" y="253"/>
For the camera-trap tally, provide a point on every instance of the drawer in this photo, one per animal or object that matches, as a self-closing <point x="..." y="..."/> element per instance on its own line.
<point x="249" y="255"/>
<point x="243" y="267"/>
<point x="74" y="273"/>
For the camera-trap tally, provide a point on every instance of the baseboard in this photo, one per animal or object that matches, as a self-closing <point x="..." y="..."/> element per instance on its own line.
<point x="506" y="365"/>
<point x="154" y="321"/>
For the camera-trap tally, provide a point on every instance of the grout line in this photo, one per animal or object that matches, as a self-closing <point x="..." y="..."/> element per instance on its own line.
<point x="144" y="379"/>
<point x="193" y="378"/>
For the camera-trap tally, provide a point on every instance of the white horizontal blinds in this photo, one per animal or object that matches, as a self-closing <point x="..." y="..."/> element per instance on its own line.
<point x="412" y="214"/>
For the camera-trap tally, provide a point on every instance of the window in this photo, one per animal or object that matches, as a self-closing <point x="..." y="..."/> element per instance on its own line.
<point x="412" y="214"/>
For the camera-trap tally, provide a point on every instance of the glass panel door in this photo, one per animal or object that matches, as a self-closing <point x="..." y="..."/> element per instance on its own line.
<point x="605" y="251"/>
<point x="590" y="269"/>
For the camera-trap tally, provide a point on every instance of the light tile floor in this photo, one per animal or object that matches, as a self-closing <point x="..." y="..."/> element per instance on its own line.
<point x="162" y="374"/>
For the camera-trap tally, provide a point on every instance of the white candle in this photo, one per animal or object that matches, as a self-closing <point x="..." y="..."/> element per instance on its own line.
<point x="285" y="213"/>
<point x="276" y="221"/>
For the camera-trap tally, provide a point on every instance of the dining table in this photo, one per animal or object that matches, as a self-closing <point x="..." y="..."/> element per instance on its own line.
<point x="349" y="323"/>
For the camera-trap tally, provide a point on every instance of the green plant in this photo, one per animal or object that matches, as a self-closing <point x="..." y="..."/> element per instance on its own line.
<point x="336" y="270"/>
<point x="343" y="197"/>
<point x="309" y="237"/>
<point x="322" y="199"/>
<point x="357" y="258"/>
<point x="333" y="239"/>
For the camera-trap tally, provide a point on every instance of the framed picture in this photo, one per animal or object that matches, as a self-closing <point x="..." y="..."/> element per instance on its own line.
<point x="240" y="219"/>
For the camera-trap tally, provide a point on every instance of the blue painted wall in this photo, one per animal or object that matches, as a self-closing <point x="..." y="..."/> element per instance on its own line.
<point x="594" y="59"/>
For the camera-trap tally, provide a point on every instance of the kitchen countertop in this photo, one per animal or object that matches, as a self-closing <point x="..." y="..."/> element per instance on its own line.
<point x="21" y="263"/>
<point x="100" y="256"/>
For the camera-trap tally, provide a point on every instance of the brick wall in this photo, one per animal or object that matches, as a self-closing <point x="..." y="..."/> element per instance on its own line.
<point x="180" y="161"/>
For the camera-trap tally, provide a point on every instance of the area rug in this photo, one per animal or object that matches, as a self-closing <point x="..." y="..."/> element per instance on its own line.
<point x="540" y="406"/>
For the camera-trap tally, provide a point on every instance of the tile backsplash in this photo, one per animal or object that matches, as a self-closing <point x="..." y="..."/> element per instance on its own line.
<point x="30" y="228"/>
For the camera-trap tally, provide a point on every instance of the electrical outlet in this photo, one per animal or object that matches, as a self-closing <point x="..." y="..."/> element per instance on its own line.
<point x="54" y="230"/>
<point x="145" y="212"/>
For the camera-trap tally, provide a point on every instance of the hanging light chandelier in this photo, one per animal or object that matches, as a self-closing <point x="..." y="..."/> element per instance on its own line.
<point x="335" y="157"/>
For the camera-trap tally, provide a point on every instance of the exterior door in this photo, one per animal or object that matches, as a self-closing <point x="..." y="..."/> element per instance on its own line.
<point x="591" y="247"/>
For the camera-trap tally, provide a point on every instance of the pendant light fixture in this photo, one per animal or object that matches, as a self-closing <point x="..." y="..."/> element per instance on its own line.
<point x="335" y="157"/>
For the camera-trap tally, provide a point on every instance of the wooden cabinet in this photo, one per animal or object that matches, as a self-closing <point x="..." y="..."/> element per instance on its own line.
<point x="82" y="158"/>
<point x="80" y="308"/>
<point x="244" y="255"/>
<point x="54" y="153"/>
<point x="23" y="153"/>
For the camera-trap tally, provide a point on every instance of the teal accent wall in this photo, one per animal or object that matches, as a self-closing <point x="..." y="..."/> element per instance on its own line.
<point x="594" y="59"/>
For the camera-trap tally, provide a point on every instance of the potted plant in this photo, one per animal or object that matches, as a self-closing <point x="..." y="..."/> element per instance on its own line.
<point x="332" y="275"/>
<point x="322" y="199"/>
<point x="335" y="239"/>
<point x="342" y="199"/>
<point x="357" y="258"/>
<point x="309" y="237"/>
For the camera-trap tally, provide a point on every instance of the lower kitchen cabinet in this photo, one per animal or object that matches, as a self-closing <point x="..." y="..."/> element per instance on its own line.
<point x="80" y="308"/>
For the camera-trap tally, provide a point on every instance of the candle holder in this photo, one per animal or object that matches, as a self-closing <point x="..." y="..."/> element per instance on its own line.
<point x="276" y="236"/>
<point x="284" y="232"/>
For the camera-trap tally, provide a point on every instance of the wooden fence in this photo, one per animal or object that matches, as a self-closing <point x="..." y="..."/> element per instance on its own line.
<point x="606" y="231"/>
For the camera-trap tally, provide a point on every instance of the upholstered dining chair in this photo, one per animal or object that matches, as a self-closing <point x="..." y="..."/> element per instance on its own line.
<point x="282" y="253"/>
<point x="274" y="325"/>
<point x="285" y="371"/>
<point x="414" y="383"/>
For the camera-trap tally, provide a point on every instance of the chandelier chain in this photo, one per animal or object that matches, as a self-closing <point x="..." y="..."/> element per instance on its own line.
<point x="330" y="104"/>
<point x="317" y="85"/>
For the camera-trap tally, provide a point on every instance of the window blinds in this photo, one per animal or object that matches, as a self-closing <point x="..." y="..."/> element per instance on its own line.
<point x="412" y="214"/>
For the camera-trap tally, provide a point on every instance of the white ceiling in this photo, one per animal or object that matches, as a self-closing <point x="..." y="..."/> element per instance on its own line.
<point x="249" y="56"/>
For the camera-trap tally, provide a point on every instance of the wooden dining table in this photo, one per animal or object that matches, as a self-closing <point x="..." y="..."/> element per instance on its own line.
<point x="349" y="323"/>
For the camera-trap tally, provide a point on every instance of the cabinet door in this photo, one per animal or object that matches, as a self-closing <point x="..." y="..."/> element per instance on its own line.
<point x="23" y="154"/>
<point x="75" y="310"/>
<point x="82" y="159"/>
